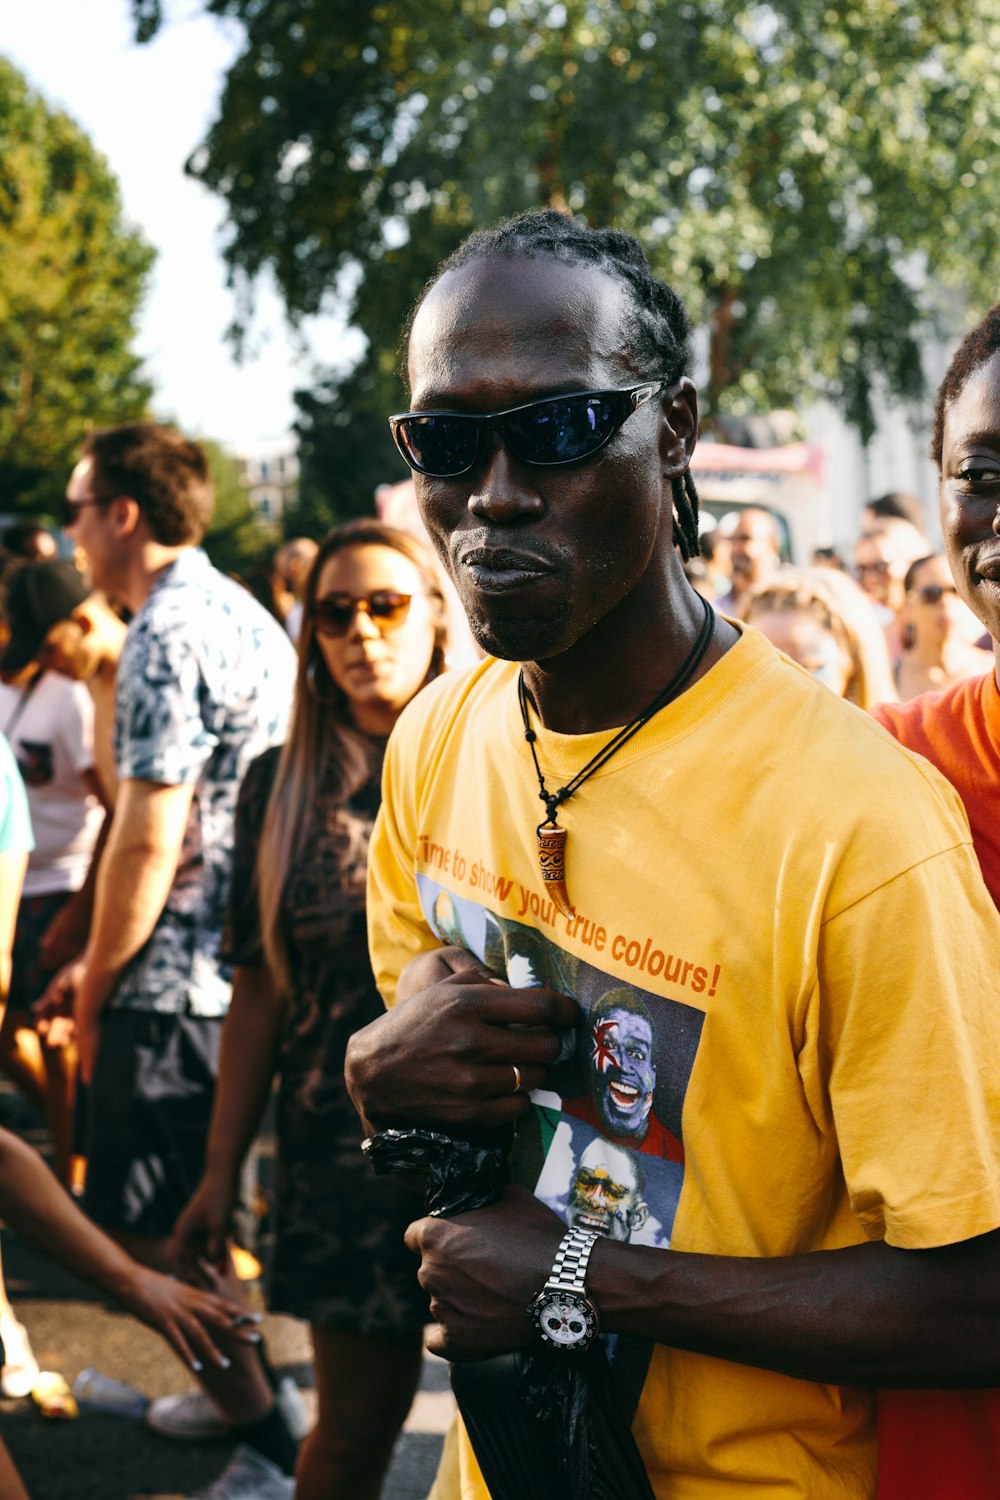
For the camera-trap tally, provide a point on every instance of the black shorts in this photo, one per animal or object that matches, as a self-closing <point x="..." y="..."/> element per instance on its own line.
<point x="28" y="979"/>
<point x="149" y="1107"/>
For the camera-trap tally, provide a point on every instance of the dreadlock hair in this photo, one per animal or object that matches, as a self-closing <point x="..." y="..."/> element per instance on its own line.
<point x="660" y="331"/>
<point x="973" y="352"/>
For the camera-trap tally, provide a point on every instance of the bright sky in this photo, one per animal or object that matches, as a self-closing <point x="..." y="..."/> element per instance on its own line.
<point x="146" y="108"/>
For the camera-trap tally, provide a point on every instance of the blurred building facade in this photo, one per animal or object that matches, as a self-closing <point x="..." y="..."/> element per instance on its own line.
<point x="269" y="470"/>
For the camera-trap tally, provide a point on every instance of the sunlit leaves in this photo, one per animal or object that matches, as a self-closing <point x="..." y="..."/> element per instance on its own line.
<point x="71" y="279"/>
<point x="786" y="164"/>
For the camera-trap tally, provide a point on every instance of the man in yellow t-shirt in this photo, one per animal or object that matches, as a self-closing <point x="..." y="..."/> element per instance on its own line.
<point x="765" y="967"/>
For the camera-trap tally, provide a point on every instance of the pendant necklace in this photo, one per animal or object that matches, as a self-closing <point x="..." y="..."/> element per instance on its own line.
<point x="552" y="838"/>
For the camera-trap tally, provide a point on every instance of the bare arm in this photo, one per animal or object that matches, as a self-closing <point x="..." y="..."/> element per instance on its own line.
<point x="12" y="868"/>
<point x="246" y="1068"/>
<point x="134" y="880"/>
<point x="868" y="1315"/>
<point x="39" y="1209"/>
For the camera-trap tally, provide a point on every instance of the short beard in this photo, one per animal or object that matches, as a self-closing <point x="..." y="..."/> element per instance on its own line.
<point x="515" y="639"/>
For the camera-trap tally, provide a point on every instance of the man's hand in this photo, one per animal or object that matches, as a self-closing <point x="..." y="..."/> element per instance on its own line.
<point x="437" y="964"/>
<point x="481" y="1270"/>
<point x="445" y="1057"/>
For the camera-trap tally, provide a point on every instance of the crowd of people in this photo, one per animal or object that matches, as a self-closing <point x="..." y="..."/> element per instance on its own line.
<point x="716" y="946"/>
<point x="885" y="627"/>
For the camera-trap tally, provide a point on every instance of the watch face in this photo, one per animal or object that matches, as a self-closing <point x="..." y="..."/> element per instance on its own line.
<point x="565" y="1320"/>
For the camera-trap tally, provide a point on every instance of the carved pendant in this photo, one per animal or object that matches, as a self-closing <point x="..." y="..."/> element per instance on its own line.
<point x="552" y="863"/>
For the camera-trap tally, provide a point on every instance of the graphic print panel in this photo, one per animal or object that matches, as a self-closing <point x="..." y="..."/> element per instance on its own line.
<point x="606" y="1143"/>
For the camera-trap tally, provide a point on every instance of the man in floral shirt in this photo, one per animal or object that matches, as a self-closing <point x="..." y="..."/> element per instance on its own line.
<point x="204" y="686"/>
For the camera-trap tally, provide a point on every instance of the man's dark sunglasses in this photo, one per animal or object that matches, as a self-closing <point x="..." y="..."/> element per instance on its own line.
<point x="556" y="430"/>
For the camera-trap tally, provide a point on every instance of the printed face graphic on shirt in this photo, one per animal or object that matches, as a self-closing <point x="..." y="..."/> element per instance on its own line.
<point x="622" y="1070"/>
<point x="602" y="1144"/>
<point x="606" y="1194"/>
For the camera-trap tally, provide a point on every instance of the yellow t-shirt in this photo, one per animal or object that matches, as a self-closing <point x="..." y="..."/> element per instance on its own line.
<point x="786" y="958"/>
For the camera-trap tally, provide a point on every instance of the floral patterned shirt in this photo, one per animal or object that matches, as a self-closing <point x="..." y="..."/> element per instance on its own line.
<point x="204" y="686"/>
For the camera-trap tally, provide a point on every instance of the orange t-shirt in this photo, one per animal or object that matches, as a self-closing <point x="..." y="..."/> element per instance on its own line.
<point x="939" y="1445"/>
<point x="959" y="732"/>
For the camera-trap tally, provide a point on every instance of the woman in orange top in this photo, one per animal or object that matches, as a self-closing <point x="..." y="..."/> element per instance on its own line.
<point x="940" y="1445"/>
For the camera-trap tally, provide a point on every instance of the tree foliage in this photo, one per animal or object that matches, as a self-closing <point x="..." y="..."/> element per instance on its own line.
<point x="237" y="540"/>
<point x="71" y="279"/>
<point x="802" y="172"/>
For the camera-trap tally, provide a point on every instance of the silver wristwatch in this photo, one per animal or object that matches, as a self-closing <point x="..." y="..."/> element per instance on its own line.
<point x="562" y="1312"/>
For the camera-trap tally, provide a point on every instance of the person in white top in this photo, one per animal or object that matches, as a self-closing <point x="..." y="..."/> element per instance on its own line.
<point x="49" y="722"/>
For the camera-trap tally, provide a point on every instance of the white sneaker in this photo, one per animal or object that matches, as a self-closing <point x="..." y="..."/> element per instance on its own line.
<point x="249" y="1476"/>
<point x="191" y="1418"/>
<point x="288" y="1399"/>
<point x="20" y="1367"/>
<point x="195" y="1418"/>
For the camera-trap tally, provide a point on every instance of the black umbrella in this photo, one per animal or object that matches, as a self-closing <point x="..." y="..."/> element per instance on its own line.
<point x="544" y="1425"/>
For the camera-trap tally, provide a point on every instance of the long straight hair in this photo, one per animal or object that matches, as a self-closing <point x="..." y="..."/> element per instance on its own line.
<point x="843" y="608"/>
<point x="322" y="740"/>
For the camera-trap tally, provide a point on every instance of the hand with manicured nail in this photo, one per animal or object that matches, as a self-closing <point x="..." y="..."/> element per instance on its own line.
<point x="187" y="1316"/>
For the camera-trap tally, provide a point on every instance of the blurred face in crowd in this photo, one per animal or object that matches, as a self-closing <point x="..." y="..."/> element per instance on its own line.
<point x="40" y="546"/>
<point x="293" y="562"/>
<point x="970" y="493"/>
<point x="802" y="635"/>
<point x="90" y="528"/>
<point x="542" y="556"/>
<point x="935" y="610"/>
<point x="882" y="559"/>
<point x="754" y="550"/>
<point x="379" y="661"/>
<point x="877" y="573"/>
<point x="70" y="647"/>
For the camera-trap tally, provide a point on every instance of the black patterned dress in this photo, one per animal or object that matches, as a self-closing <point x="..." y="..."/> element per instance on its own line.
<point x="340" y="1257"/>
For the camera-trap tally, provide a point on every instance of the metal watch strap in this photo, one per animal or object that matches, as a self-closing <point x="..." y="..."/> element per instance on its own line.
<point x="569" y="1269"/>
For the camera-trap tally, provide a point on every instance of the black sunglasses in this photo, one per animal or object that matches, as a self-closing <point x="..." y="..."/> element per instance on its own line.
<point x="333" y="615"/>
<point x="72" y="508"/>
<point x="932" y="593"/>
<point x="556" y="430"/>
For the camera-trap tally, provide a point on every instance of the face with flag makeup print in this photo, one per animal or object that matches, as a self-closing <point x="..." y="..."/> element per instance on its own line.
<point x="623" y="1072"/>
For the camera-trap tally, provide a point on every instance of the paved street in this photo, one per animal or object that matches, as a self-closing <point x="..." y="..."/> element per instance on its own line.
<point x="102" y="1457"/>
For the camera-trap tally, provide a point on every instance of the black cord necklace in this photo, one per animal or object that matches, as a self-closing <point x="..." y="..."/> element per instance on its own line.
<point x="552" y="838"/>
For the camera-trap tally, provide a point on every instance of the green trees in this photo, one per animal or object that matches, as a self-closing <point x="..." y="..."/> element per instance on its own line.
<point x="802" y="172"/>
<point x="71" y="279"/>
<point x="237" y="541"/>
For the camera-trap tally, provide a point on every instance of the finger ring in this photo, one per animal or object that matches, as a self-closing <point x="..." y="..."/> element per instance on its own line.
<point x="517" y="1078"/>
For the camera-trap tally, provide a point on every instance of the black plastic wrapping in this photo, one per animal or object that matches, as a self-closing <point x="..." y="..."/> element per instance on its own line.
<point x="544" y="1424"/>
<point x="459" y="1175"/>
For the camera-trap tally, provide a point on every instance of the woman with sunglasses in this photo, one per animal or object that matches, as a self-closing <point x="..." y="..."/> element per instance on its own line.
<point x="937" y="632"/>
<point x="822" y="620"/>
<point x="373" y="635"/>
